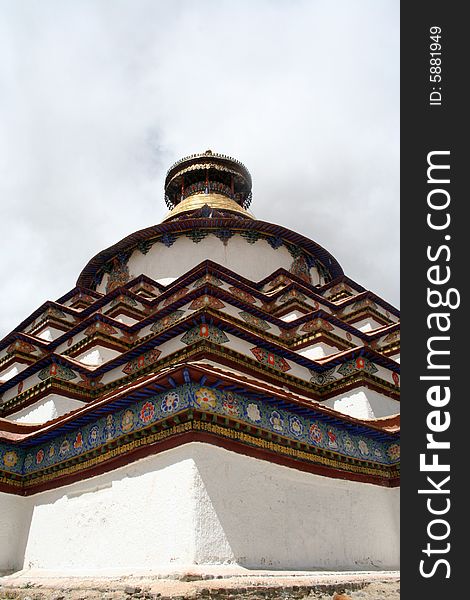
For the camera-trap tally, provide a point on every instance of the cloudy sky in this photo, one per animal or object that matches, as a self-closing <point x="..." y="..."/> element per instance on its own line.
<point x="99" y="97"/>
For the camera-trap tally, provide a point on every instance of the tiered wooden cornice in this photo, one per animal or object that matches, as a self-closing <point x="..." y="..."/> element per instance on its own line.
<point x="179" y="293"/>
<point x="205" y="268"/>
<point x="84" y="389"/>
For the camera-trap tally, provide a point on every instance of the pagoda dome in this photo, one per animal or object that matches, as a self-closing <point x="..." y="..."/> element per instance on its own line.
<point x="208" y="195"/>
<point x="214" y="353"/>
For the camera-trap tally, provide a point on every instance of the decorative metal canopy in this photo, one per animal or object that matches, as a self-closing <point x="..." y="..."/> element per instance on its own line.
<point x="208" y="173"/>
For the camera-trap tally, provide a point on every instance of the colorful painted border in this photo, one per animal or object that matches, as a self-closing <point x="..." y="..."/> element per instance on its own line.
<point x="237" y="412"/>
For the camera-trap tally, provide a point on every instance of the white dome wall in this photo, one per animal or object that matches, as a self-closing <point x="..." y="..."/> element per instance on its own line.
<point x="252" y="261"/>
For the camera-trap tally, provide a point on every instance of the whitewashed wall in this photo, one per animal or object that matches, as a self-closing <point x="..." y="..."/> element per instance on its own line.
<point x="276" y="517"/>
<point x="366" y="325"/>
<point x="253" y="261"/>
<point x="47" y="409"/>
<point x="15" y="517"/>
<point x="364" y="403"/>
<point x="199" y="504"/>
<point x="137" y="517"/>
<point x="97" y="355"/>
<point x="12" y="370"/>
<point x="318" y="350"/>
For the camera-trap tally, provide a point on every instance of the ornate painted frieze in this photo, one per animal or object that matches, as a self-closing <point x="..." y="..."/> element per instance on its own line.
<point x="288" y="334"/>
<point x="208" y="279"/>
<point x="123" y="299"/>
<point x="323" y="377"/>
<point x="292" y="294"/>
<point x="270" y="359"/>
<point x="224" y="235"/>
<point x="357" y="364"/>
<point x="364" y="303"/>
<point x="242" y="295"/>
<point x="300" y="269"/>
<point x="53" y="311"/>
<point x="251" y="236"/>
<point x="196" y="235"/>
<point x="205" y="331"/>
<point x="275" y="242"/>
<point x="21" y="346"/>
<point x="128" y="338"/>
<point x="254" y="321"/>
<point x="90" y="383"/>
<point x="100" y="327"/>
<point x="280" y="280"/>
<point x="144" y="360"/>
<point x="325" y="381"/>
<point x="165" y="322"/>
<point x="206" y="302"/>
<point x="339" y="291"/>
<point x="176" y="296"/>
<point x="314" y="431"/>
<point x="391" y="338"/>
<point x="317" y="325"/>
<point x="82" y="298"/>
<point x="144" y="286"/>
<point x="11" y="459"/>
<point x="53" y="317"/>
<point x="268" y="306"/>
<point x="145" y="245"/>
<point x="118" y="274"/>
<point x="58" y="371"/>
<point x="168" y="239"/>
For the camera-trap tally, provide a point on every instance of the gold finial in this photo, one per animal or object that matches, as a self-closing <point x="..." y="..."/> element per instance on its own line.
<point x="208" y="172"/>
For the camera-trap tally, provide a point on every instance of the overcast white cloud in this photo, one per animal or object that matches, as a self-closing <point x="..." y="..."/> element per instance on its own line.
<point x="99" y="97"/>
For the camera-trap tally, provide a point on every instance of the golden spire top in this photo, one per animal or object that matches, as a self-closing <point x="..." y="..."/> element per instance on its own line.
<point x="208" y="173"/>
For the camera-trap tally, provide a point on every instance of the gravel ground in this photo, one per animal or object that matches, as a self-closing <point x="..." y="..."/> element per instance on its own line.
<point x="242" y="586"/>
